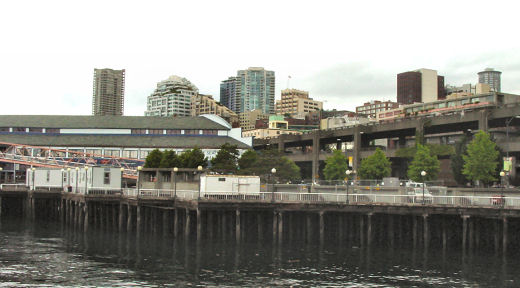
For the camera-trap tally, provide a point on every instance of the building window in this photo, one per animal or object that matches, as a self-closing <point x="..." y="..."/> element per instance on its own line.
<point x="4" y="129"/>
<point x="36" y="130"/>
<point x="209" y="132"/>
<point x="106" y="178"/>
<point x="138" y="131"/>
<point x="191" y="132"/>
<point x="18" y="129"/>
<point x="155" y="131"/>
<point x="48" y="175"/>
<point x="173" y="131"/>
<point x="52" y="130"/>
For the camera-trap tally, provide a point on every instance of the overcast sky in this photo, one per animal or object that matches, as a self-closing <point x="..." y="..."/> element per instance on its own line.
<point x="343" y="52"/>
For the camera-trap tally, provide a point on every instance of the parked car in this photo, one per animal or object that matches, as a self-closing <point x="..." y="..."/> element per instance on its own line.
<point x="415" y="195"/>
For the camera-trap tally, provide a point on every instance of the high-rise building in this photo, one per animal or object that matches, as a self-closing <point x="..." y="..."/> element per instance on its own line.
<point x="422" y="85"/>
<point x="248" y="119"/>
<point x="109" y="92"/>
<point x="172" y="97"/>
<point x="251" y="89"/>
<point x="230" y="94"/>
<point x="297" y="103"/>
<point x="491" y="77"/>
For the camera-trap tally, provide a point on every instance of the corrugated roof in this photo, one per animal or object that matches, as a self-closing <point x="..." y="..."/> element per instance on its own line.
<point x="108" y="122"/>
<point x="178" y="141"/>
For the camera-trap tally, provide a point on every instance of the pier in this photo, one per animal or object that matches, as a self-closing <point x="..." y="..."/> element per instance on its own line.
<point x="469" y="223"/>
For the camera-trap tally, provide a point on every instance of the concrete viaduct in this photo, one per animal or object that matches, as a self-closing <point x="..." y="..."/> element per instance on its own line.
<point x="486" y="119"/>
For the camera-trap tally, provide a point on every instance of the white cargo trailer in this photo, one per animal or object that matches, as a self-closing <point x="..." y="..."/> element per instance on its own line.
<point x="229" y="184"/>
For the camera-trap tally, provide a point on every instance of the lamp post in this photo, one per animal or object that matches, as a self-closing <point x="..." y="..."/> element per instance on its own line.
<point x="348" y="172"/>
<point x="122" y="172"/>
<point x="139" y="168"/>
<point x="68" y="180"/>
<point x="1" y="174"/>
<point x="86" y="180"/>
<point x="508" y="121"/>
<point x="423" y="173"/>
<point x="199" y="169"/>
<point x="273" y="172"/>
<point x="77" y="179"/>
<point x="32" y="175"/>
<point x="175" y="170"/>
<point x="502" y="176"/>
<point x="62" y="170"/>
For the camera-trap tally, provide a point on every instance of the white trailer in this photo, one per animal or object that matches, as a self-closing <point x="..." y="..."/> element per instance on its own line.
<point x="229" y="184"/>
<point x="74" y="180"/>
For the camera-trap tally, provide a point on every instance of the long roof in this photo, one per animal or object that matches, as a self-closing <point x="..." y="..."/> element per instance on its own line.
<point x="108" y="122"/>
<point x="137" y="141"/>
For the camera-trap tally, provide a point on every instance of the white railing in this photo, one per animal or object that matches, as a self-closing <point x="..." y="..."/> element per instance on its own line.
<point x="40" y="187"/>
<point x="14" y="187"/>
<point x="103" y="191"/>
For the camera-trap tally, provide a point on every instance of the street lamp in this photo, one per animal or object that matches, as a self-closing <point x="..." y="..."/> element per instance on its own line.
<point x="68" y="180"/>
<point x="423" y="173"/>
<point x="77" y="179"/>
<point x="348" y="172"/>
<point x="86" y="179"/>
<point x="139" y="168"/>
<point x="62" y="170"/>
<point x="199" y="168"/>
<point x="273" y="172"/>
<point x="1" y="174"/>
<point x="122" y="172"/>
<point x="32" y="175"/>
<point x="502" y="176"/>
<point x="508" y="121"/>
<point x="175" y="170"/>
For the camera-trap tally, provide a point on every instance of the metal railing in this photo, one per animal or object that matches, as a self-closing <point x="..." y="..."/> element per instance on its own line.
<point x="13" y="187"/>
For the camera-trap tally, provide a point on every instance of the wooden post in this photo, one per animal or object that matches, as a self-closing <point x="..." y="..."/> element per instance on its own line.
<point x="464" y="232"/>
<point x="187" y="226"/>
<point x="121" y="218"/>
<point x="237" y="226"/>
<point x="361" y="231"/>
<point x="199" y="225"/>
<point x="497" y="244"/>
<point x="280" y="228"/>
<point x="259" y="224"/>
<point x="165" y="222"/>
<point x="391" y="229"/>
<point x="471" y="239"/>
<point x="129" y="218"/>
<point x="275" y="226"/>
<point x="369" y="229"/>
<point x="426" y="233"/>
<point x="414" y="232"/>
<point x="86" y="220"/>
<point x="176" y="222"/>
<point x="309" y="228"/>
<point x="138" y="225"/>
<point x="504" y="236"/>
<point x="444" y="238"/>
<point x="322" y="229"/>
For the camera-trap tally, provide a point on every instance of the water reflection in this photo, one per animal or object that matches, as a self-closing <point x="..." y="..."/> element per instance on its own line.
<point x="37" y="255"/>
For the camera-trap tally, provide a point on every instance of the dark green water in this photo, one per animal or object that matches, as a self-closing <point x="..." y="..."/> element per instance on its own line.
<point x="46" y="254"/>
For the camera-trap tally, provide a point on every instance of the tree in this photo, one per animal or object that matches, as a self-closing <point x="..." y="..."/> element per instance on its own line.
<point x="286" y="169"/>
<point x="335" y="166"/>
<point x="457" y="162"/>
<point x="376" y="166"/>
<point x="481" y="160"/>
<point x="226" y="159"/>
<point x="247" y="162"/>
<point x="169" y="159"/>
<point x="153" y="160"/>
<point x="193" y="158"/>
<point x="423" y="161"/>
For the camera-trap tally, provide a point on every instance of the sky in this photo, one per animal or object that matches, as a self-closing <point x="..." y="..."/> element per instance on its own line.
<point x="344" y="53"/>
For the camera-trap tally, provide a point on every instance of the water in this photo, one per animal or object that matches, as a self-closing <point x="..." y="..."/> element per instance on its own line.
<point x="48" y="255"/>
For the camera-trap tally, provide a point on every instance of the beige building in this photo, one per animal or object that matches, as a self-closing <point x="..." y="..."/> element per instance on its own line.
<point x="248" y="119"/>
<point x="269" y="133"/>
<point x="297" y="103"/>
<point x="373" y="107"/>
<point x="205" y="104"/>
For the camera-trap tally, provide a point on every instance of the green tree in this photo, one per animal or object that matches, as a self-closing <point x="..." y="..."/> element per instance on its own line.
<point x="335" y="166"/>
<point x="169" y="159"/>
<point x="481" y="160"/>
<point x="423" y="161"/>
<point x="153" y="160"/>
<point x="375" y="166"/>
<point x="286" y="169"/>
<point x="226" y="159"/>
<point x="193" y="158"/>
<point x="247" y="162"/>
<point x="457" y="162"/>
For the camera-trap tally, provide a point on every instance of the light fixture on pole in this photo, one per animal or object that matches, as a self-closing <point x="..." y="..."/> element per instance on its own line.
<point x="32" y="175"/>
<point x="502" y="176"/>
<point x="86" y="180"/>
<point x="175" y="170"/>
<point x="77" y="179"/>
<point x="273" y="172"/>
<point x="423" y="173"/>
<point x="122" y="172"/>
<point x="139" y="168"/>
<point x="62" y="174"/>
<point x="68" y="180"/>
<point x="199" y="168"/>
<point x="1" y="174"/>
<point x="348" y="172"/>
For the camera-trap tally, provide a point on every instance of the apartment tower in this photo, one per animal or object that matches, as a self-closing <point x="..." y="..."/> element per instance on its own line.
<point x="422" y="85"/>
<point x="109" y="92"/>
<point x="491" y="77"/>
